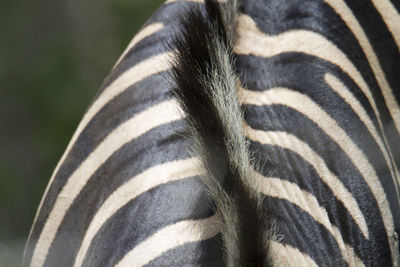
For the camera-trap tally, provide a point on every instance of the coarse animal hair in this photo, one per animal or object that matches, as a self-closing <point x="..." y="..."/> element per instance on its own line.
<point x="206" y="88"/>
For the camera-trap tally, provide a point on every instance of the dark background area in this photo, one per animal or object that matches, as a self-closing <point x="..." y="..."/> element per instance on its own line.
<point x="53" y="57"/>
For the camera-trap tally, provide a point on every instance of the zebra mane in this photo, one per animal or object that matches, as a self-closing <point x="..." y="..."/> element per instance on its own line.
<point x="206" y="89"/>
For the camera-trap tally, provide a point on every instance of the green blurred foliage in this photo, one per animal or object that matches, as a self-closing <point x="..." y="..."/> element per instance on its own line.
<point x="53" y="57"/>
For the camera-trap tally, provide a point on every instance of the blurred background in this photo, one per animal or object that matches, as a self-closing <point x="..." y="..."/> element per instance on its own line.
<point x="53" y="57"/>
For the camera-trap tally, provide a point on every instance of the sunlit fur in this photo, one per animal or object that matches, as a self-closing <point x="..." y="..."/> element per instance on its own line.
<point x="290" y="154"/>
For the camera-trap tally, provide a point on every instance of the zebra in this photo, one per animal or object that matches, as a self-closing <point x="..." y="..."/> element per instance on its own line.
<point x="264" y="133"/>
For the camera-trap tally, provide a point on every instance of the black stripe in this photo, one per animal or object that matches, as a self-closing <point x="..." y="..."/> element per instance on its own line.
<point x="128" y="161"/>
<point x="396" y="5"/>
<point x="298" y="229"/>
<point x="204" y="253"/>
<point x="276" y="16"/>
<point x="140" y="218"/>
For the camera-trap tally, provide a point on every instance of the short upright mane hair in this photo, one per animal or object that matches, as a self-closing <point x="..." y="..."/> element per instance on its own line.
<point x="207" y="90"/>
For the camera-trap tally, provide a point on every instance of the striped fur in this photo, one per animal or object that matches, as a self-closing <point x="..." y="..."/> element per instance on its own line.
<point x="292" y="112"/>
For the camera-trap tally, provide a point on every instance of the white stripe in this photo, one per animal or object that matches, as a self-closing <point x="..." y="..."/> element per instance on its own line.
<point x="306" y="106"/>
<point x="286" y="255"/>
<point x="133" y="75"/>
<point x="162" y="113"/>
<point x="170" y="237"/>
<point x="348" y="17"/>
<point x="291" y="192"/>
<point x="155" y="176"/>
<point x="356" y="106"/>
<point x="145" y="32"/>
<point x="291" y="142"/>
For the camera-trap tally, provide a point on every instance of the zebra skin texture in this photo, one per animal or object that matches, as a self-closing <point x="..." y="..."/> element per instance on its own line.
<point x="265" y="133"/>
